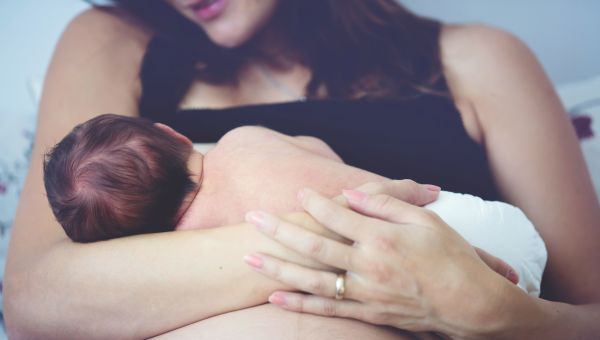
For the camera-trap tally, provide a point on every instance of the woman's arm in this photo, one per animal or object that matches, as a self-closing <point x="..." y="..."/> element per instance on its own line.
<point x="501" y="88"/>
<point x="131" y="287"/>
<point x="126" y="288"/>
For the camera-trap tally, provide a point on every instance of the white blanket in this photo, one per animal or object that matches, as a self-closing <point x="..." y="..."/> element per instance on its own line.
<point x="500" y="229"/>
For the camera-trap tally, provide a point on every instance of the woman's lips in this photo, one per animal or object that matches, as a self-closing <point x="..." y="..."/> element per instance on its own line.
<point x="208" y="9"/>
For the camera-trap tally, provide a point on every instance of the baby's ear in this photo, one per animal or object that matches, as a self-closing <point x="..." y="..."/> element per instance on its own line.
<point x="173" y="133"/>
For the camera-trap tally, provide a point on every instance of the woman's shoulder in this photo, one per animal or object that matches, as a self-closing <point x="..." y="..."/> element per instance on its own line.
<point x="107" y="25"/>
<point x="469" y="46"/>
<point x="97" y="61"/>
<point x="479" y="59"/>
<point x="475" y="55"/>
<point x="94" y="69"/>
<point x="103" y="40"/>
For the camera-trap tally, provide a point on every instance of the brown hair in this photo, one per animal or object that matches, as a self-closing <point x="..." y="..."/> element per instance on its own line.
<point x="355" y="48"/>
<point x="115" y="176"/>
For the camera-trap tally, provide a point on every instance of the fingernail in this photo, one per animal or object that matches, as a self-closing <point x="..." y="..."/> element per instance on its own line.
<point x="433" y="188"/>
<point x="254" y="261"/>
<point x="354" y="196"/>
<point x="512" y="276"/>
<point x="277" y="299"/>
<point x="256" y="217"/>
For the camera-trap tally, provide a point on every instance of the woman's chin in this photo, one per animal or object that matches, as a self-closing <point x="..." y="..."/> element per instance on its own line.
<point x="227" y="39"/>
<point x="229" y="44"/>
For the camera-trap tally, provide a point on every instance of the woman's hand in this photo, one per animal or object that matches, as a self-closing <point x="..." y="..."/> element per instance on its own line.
<point x="420" y="195"/>
<point x="407" y="268"/>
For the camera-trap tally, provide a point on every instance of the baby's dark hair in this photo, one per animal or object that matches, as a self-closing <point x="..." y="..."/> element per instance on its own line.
<point x="116" y="176"/>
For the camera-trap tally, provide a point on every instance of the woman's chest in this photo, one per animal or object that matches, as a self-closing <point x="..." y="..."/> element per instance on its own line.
<point x="256" y="84"/>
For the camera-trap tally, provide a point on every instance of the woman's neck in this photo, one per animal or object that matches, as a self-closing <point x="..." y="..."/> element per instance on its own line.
<point x="271" y="46"/>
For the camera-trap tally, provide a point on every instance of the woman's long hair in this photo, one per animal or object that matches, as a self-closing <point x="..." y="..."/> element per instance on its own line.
<point x="355" y="48"/>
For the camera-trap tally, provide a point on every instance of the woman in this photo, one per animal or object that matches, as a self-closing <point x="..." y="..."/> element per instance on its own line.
<point x="239" y="52"/>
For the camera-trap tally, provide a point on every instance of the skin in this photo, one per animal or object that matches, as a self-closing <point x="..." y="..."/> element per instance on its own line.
<point x="238" y="24"/>
<point x="506" y="103"/>
<point x="241" y="154"/>
<point x="238" y="173"/>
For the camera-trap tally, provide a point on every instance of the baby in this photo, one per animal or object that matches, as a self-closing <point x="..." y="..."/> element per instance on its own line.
<point x="115" y="176"/>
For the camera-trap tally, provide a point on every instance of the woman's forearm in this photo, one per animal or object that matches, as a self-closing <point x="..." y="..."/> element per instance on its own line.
<point x="138" y="286"/>
<point x="565" y="321"/>
<point x="515" y="315"/>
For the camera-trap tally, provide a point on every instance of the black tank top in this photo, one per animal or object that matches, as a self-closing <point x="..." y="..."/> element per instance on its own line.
<point x="421" y="137"/>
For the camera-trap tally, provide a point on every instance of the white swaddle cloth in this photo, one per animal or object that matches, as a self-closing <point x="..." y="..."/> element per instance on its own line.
<point x="500" y="229"/>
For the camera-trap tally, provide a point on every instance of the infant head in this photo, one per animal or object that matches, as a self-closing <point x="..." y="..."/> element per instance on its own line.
<point x="115" y="176"/>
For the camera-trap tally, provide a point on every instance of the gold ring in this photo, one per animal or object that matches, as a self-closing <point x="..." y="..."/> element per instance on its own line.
<point x="340" y="286"/>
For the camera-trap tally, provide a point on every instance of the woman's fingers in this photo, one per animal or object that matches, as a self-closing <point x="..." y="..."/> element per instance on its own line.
<point x="405" y="190"/>
<point x="318" y="305"/>
<point x="305" y="279"/>
<point x="390" y="209"/>
<point x="387" y="208"/>
<point x="333" y="216"/>
<point x="304" y="241"/>
<point x="498" y="265"/>
<point x="371" y="313"/>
